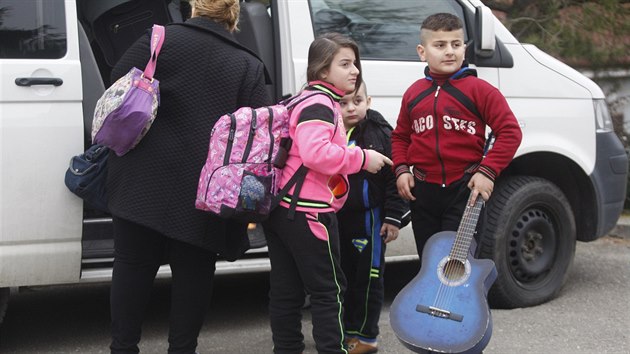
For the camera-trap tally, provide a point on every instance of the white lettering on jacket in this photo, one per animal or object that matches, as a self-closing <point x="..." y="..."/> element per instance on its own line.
<point x="458" y="124"/>
<point x="423" y="124"/>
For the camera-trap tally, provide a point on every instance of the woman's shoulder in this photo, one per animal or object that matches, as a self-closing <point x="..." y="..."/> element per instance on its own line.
<point x="203" y="31"/>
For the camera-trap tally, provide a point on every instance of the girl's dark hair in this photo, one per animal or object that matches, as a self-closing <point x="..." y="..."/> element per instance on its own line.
<point x="323" y="50"/>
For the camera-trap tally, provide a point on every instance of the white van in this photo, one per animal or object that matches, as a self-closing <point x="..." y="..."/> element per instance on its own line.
<point x="566" y="183"/>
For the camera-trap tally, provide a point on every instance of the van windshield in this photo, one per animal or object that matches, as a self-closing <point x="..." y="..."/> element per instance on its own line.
<point x="386" y="30"/>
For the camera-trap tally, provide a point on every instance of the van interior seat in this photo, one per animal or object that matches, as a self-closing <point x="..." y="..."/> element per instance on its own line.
<point x="92" y="83"/>
<point x="256" y="33"/>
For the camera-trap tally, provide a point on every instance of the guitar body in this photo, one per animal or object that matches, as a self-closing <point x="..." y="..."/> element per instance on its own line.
<point x="442" y="310"/>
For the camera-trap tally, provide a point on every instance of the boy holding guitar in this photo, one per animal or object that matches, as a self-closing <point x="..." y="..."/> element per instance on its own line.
<point x="438" y="142"/>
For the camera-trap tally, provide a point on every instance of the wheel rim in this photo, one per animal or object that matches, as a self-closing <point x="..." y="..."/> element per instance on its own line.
<point x="532" y="246"/>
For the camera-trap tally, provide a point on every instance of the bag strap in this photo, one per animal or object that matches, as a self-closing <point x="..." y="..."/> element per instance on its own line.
<point x="157" y="39"/>
<point x="296" y="180"/>
<point x="299" y="176"/>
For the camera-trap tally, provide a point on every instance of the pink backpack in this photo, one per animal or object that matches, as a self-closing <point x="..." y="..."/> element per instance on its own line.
<point x="248" y="149"/>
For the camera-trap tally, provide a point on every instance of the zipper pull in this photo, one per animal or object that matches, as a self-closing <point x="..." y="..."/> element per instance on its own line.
<point x="437" y="91"/>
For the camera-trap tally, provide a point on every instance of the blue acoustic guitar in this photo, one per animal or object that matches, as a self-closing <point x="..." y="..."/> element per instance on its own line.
<point x="444" y="308"/>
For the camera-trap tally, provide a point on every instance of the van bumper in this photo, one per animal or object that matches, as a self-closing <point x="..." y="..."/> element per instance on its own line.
<point x="610" y="179"/>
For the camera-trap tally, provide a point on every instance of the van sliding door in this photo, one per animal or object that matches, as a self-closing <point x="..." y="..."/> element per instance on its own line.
<point x="41" y="127"/>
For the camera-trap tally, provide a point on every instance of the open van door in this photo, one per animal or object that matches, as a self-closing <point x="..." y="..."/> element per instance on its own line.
<point x="41" y="127"/>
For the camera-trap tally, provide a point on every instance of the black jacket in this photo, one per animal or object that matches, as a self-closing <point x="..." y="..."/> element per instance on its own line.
<point x="375" y="133"/>
<point x="202" y="76"/>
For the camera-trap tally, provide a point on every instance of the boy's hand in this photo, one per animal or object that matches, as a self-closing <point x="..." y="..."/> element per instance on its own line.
<point x="405" y="184"/>
<point x="376" y="161"/>
<point x="480" y="185"/>
<point x="389" y="232"/>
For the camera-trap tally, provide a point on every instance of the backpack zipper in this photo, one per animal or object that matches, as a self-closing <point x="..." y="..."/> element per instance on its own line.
<point x="228" y="148"/>
<point x="250" y="137"/>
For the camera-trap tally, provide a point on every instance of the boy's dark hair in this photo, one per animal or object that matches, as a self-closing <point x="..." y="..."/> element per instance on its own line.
<point x="442" y="21"/>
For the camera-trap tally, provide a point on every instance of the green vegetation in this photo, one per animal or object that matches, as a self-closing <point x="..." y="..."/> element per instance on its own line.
<point x="588" y="35"/>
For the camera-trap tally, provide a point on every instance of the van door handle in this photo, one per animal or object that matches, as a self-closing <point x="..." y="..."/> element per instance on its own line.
<point x="30" y="81"/>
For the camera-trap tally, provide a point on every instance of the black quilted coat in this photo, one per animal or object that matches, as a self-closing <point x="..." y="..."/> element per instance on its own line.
<point x="201" y="78"/>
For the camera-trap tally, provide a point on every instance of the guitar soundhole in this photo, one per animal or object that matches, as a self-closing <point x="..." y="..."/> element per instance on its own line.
<point x="454" y="270"/>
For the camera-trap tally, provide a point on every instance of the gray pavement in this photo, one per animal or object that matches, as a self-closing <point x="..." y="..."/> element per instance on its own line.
<point x="622" y="229"/>
<point x="589" y="316"/>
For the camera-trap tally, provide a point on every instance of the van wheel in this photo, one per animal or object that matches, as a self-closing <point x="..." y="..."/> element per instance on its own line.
<point x="4" y="302"/>
<point x="529" y="232"/>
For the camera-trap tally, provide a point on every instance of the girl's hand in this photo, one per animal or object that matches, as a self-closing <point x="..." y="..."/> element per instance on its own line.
<point x="376" y="161"/>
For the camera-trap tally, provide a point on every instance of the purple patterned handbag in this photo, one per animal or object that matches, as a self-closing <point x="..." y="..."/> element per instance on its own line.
<point x="126" y="110"/>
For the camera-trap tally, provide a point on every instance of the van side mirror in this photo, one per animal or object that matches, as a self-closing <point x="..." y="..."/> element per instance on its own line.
<point x="484" y="36"/>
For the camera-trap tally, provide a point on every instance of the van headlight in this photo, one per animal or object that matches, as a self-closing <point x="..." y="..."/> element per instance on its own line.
<point x="602" y="116"/>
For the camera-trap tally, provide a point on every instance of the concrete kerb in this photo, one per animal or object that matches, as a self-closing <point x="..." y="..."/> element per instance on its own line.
<point x="622" y="229"/>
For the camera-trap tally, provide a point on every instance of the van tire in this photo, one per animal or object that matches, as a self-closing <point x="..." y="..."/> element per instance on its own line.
<point x="529" y="231"/>
<point x="4" y="302"/>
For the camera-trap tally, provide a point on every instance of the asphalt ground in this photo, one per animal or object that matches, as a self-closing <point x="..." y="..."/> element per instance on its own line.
<point x="590" y="315"/>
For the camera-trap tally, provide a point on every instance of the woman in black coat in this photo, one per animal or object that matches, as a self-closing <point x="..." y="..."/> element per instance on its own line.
<point x="203" y="74"/>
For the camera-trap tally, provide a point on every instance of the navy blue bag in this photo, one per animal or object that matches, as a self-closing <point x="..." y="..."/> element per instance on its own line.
<point x="86" y="176"/>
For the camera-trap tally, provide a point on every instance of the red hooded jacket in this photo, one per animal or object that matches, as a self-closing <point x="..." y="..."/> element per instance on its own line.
<point x="441" y="128"/>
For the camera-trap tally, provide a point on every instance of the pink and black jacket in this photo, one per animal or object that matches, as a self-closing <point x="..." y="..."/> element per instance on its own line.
<point x="319" y="142"/>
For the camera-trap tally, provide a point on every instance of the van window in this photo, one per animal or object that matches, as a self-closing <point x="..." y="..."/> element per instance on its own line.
<point x="386" y="30"/>
<point x="32" y="29"/>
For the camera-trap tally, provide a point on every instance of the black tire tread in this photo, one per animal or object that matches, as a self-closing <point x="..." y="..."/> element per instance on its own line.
<point x="500" y="295"/>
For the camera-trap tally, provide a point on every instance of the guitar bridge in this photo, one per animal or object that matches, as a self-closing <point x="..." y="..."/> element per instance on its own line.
<point x="434" y="311"/>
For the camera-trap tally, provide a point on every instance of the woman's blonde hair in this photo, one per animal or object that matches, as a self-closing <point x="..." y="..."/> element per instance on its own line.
<point x="225" y="12"/>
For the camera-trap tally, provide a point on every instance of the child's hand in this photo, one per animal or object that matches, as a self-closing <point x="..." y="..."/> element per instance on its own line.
<point x="376" y="161"/>
<point x="480" y="185"/>
<point x="405" y="184"/>
<point x="389" y="232"/>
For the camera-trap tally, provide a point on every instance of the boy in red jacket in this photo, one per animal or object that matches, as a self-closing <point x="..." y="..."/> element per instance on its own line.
<point x="438" y="143"/>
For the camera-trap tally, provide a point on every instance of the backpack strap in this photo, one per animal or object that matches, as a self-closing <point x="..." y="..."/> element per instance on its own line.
<point x="293" y="101"/>
<point x="298" y="180"/>
<point x="157" y="39"/>
<point x="299" y="176"/>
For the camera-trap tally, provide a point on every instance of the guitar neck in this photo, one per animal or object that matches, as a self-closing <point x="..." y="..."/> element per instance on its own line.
<point x="466" y="230"/>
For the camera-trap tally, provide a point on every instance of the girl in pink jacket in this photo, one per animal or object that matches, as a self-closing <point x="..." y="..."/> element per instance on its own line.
<point x="302" y="235"/>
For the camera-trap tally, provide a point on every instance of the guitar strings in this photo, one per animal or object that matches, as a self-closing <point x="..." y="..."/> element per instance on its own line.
<point x="455" y="267"/>
<point x="456" y="263"/>
<point x="443" y="295"/>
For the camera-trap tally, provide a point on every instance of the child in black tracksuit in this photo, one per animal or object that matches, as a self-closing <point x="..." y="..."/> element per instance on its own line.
<point x="371" y="217"/>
